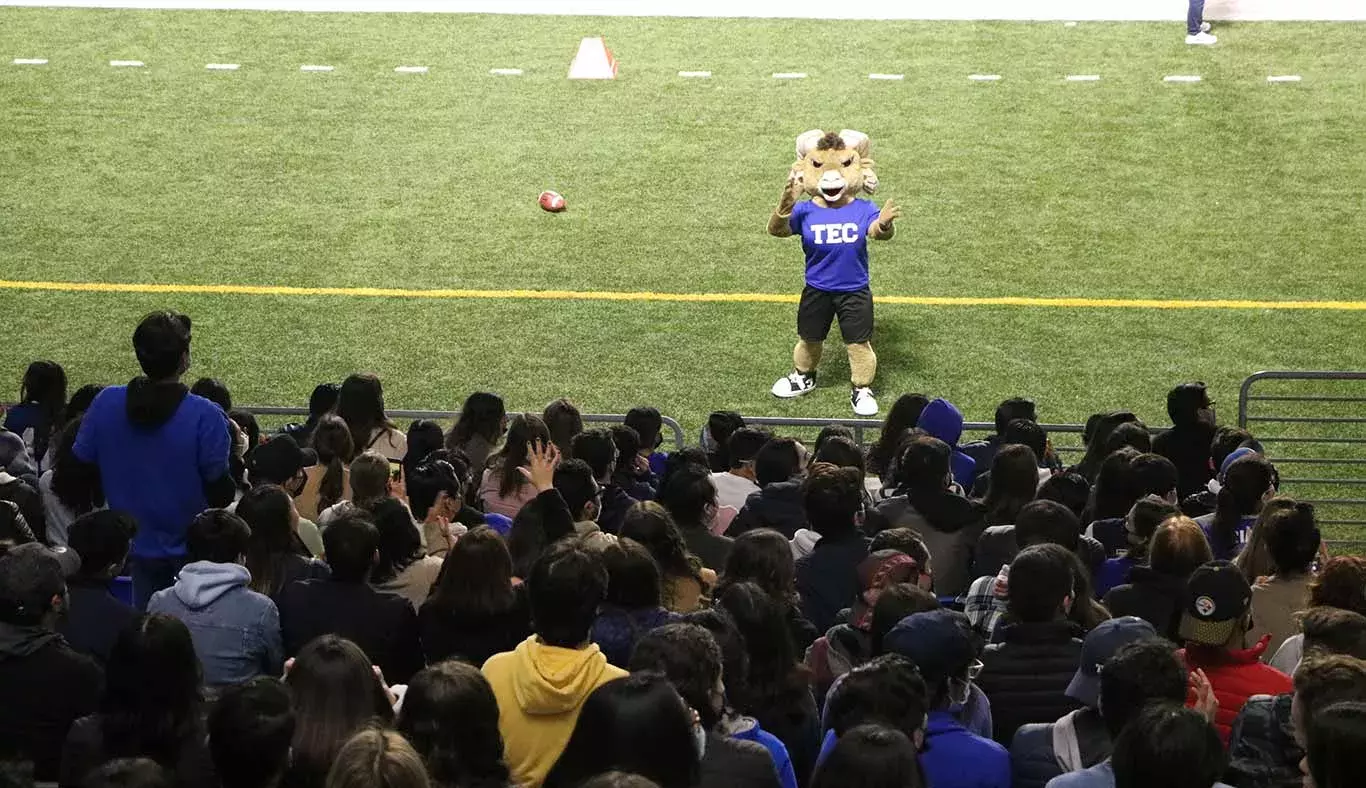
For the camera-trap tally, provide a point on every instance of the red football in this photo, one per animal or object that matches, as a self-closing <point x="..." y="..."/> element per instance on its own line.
<point x="551" y="201"/>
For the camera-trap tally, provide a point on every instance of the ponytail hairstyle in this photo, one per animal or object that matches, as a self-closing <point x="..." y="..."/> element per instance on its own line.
<point x="1242" y="494"/>
<point x="332" y="441"/>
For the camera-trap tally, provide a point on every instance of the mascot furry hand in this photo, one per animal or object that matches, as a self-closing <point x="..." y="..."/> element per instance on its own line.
<point x="835" y="226"/>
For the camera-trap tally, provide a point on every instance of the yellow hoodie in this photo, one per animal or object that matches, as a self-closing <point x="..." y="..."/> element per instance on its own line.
<point x="540" y="690"/>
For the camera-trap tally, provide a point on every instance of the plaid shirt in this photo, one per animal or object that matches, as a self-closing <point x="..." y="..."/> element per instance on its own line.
<point x="984" y="604"/>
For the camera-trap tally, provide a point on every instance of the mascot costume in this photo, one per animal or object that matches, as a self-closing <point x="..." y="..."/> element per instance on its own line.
<point x="834" y="226"/>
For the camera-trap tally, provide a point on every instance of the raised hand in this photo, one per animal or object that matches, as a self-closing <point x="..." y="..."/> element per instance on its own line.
<point x="542" y="460"/>
<point x="1205" y="701"/>
<point x="890" y="212"/>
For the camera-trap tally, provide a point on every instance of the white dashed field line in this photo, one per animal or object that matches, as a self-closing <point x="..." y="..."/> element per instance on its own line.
<point x="1069" y="24"/>
<point x="506" y="72"/>
<point x="695" y="74"/>
<point x="315" y="68"/>
<point x="1181" y="78"/>
<point x="126" y="63"/>
<point x="30" y="61"/>
<point x="984" y="77"/>
<point x="410" y="69"/>
<point x="222" y="66"/>
<point x="790" y="75"/>
<point x="1083" y="77"/>
<point x="1283" y="78"/>
<point x="887" y="76"/>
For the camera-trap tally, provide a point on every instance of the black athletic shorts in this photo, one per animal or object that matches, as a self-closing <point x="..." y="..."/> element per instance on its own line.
<point x="819" y="307"/>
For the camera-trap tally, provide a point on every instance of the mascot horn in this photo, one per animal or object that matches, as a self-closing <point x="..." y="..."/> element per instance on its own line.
<point x="834" y="226"/>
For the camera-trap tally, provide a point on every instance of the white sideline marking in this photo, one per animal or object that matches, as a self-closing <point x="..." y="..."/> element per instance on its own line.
<point x="886" y="76"/>
<point x="1284" y="78"/>
<point x="1069" y="24"/>
<point x="315" y="68"/>
<point x="1083" y="77"/>
<point x="695" y="74"/>
<point x="126" y="63"/>
<point x="222" y="66"/>
<point x="411" y="69"/>
<point x="1181" y="78"/>
<point x="984" y="77"/>
<point x="506" y="72"/>
<point x="30" y="61"/>
<point x="790" y="75"/>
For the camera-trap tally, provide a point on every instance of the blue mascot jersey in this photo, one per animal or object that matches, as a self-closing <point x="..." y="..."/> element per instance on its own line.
<point x="836" y="243"/>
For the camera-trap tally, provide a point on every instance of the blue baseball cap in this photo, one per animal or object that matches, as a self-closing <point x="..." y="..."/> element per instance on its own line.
<point x="1100" y="645"/>
<point x="940" y="642"/>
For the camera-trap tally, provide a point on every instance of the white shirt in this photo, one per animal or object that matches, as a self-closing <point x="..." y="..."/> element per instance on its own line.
<point x="732" y="490"/>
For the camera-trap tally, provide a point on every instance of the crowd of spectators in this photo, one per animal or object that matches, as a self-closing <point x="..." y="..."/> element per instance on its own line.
<point x="188" y="601"/>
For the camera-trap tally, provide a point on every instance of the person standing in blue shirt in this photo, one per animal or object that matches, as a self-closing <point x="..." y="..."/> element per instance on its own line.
<point x="162" y="452"/>
<point x="834" y="227"/>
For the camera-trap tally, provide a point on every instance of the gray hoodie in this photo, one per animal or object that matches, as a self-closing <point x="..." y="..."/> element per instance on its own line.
<point x="236" y="631"/>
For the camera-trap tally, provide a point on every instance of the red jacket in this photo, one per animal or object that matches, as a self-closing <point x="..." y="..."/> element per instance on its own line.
<point x="1236" y="675"/>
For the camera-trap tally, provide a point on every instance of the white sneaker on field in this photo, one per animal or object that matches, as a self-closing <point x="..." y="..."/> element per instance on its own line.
<point x="863" y="401"/>
<point x="1203" y="39"/>
<point x="794" y="384"/>
<point x="1204" y="27"/>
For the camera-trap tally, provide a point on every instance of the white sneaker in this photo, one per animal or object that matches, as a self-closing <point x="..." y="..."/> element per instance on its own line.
<point x="1204" y="39"/>
<point x="794" y="384"/>
<point x="863" y="401"/>
<point x="1204" y="27"/>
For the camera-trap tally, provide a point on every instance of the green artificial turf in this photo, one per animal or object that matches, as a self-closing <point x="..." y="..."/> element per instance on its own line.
<point x="1030" y="186"/>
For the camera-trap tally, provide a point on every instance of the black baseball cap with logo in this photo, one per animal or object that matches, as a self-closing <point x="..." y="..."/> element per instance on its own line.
<point x="1218" y="599"/>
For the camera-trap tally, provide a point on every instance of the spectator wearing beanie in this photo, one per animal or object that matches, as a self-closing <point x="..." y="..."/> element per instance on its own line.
<point x="945" y="648"/>
<point x="1079" y="739"/>
<point x="942" y="420"/>
<point x="828" y="578"/>
<point x="46" y="685"/>
<point x="94" y="617"/>
<point x="1217" y="616"/>
<point x="162" y="451"/>
<point x="1187" y="443"/>
<point x="236" y="631"/>
<point x="1037" y="651"/>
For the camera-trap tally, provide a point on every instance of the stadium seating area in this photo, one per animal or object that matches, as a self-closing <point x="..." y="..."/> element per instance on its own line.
<point x="516" y="599"/>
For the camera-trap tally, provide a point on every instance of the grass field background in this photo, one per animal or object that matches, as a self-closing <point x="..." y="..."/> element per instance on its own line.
<point x="1031" y="186"/>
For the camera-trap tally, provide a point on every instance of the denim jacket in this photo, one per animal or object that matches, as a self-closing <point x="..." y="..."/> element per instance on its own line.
<point x="236" y="631"/>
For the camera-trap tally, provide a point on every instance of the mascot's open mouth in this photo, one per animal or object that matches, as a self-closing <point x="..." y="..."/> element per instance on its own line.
<point x="832" y="192"/>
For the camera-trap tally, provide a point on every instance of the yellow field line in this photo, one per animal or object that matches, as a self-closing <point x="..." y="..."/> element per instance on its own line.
<point x="607" y="295"/>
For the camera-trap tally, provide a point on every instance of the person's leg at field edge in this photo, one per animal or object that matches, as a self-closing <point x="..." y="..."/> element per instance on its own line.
<point x="150" y="575"/>
<point x="855" y="312"/>
<point x="815" y="313"/>
<point x="1195" y="17"/>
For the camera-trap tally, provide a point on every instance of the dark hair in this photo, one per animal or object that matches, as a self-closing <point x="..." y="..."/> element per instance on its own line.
<point x="1292" y="538"/>
<point x="1069" y="489"/>
<point x="903" y="540"/>
<point x="1139" y="673"/>
<point x="1027" y="432"/>
<point x="424" y="437"/>
<point x="841" y="452"/>
<point x="563" y="420"/>
<point x="1227" y="440"/>
<point x="734" y="658"/>
<point x="1153" y="474"/>
<point x="616" y="779"/>
<point x="153" y="692"/>
<point x="893" y="604"/>
<point x="80" y="401"/>
<point x="689" y="495"/>
<point x="1335" y="745"/>
<point x="577" y="485"/>
<point x="1340" y="583"/>
<point x="129" y="773"/>
<point x="833" y="498"/>
<point x="870" y="756"/>
<point x="450" y="716"/>
<point x="763" y="557"/>
<point x="775" y="676"/>
<point x="336" y="693"/>
<point x="647" y="423"/>
<point x="1014" y="482"/>
<point x="721" y="424"/>
<point x="323" y="400"/>
<point x="331" y="439"/>
<point x="921" y="464"/>
<point x="44" y="385"/>
<point x="1116" y="489"/>
<point x="1142" y="521"/>
<point x="1170" y="746"/>
<point x="524" y="429"/>
<point x="1047" y="522"/>
<point x="1097" y="437"/>
<point x="428" y="479"/>
<point x="690" y="659"/>
<point x="903" y="416"/>
<point x="161" y="342"/>
<point x="1130" y="434"/>
<point x="213" y="390"/>
<point x="350" y="543"/>
<point x="651" y="524"/>
<point x="269" y="511"/>
<point x="476" y="577"/>
<point x="832" y="431"/>
<point x="596" y="448"/>
<point x="778" y="460"/>
<point x="360" y="404"/>
<point x="887" y="690"/>
<point x="1041" y="576"/>
<point x="1245" y="482"/>
<point x="400" y="544"/>
<point x="633" y="581"/>
<point x="636" y="724"/>
<point x="1333" y="630"/>
<point x="251" y="727"/>
<point x="481" y="415"/>
<point x="1184" y="403"/>
<point x="30" y="574"/>
<point x="1013" y="409"/>
<point x="744" y="444"/>
<point x="251" y="428"/>
<point x="1322" y="680"/>
<point x="101" y="539"/>
<point x="628" y="446"/>
<point x="217" y="535"/>
<point x="688" y="457"/>
<point x="567" y="584"/>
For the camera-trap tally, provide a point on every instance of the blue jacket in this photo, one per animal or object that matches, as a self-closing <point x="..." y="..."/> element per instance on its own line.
<point x="747" y="729"/>
<point x="616" y="630"/>
<point x="236" y="631"/>
<point x="957" y="758"/>
<point x="945" y="422"/>
<point x="156" y="446"/>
